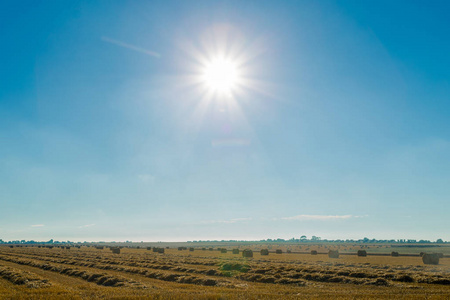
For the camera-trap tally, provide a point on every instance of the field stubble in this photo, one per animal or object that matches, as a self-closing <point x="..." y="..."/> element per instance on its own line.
<point x="43" y="273"/>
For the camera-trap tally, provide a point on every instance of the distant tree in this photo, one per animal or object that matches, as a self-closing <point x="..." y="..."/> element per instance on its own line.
<point x="440" y="241"/>
<point x="303" y="238"/>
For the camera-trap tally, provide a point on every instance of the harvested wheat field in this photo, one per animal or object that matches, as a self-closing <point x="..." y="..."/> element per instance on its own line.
<point x="88" y="272"/>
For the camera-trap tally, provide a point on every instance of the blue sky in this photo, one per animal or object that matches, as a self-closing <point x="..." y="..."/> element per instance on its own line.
<point x="340" y="129"/>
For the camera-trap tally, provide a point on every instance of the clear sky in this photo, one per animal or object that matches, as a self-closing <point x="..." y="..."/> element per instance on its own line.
<point x="336" y="126"/>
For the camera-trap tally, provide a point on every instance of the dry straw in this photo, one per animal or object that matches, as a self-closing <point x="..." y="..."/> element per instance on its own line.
<point x="333" y="254"/>
<point x="430" y="259"/>
<point x="362" y="253"/>
<point x="247" y="253"/>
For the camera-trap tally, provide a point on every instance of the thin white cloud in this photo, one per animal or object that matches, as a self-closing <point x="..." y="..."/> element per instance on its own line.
<point x="365" y="216"/>
<point x="146" y="178"/>
<point x="231" y="221"/>
<point x="129" y="46"/>
<point x="319" y="217"/>
<point x="38" y="225"/>
<point x="85" y="226"/>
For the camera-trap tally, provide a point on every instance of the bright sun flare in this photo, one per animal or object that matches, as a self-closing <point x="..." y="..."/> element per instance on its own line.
<point x="221" y="75"/>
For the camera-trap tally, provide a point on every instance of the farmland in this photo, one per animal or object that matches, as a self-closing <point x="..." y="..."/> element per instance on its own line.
<point x="204" y="272"/>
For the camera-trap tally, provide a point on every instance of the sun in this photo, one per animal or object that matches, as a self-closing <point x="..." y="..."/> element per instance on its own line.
<point x="221" y="75"/>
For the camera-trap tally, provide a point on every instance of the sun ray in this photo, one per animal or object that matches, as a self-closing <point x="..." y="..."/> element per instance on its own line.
<point x="221" y="75"/>
<point x="220" y="70"/>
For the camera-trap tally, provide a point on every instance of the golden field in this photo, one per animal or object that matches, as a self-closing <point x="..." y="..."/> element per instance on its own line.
<point x="91" y="273"/>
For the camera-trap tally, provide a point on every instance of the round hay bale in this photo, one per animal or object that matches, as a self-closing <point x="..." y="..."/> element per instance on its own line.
<point x="362" y="253"/>
<point x="160" y="250"/>
<point x="150" y="248"/>
<point x="191" y="249"/>
<point x="279" y="251"/>
<point x="264" y="252"/>
<point x="430" y="259"/>
<point x="247" y="253"/>
<point x="223" y="250"/>
<point x="333" y="254"/>
<point x="155" y="249"/>
<point x="313" y="252"/>
<point x="211" y="249"/>
<point x="235" y="251"/>
<point x="203" y="249"/>
<point x="289" y="251"/>
<point x="115" y="250"/>
<point x="394" y="253"/>
<point x="180" y="248"/>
